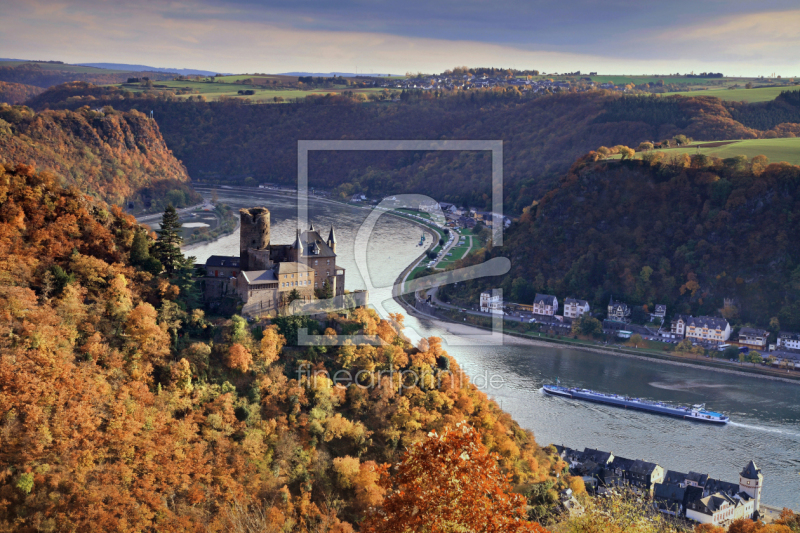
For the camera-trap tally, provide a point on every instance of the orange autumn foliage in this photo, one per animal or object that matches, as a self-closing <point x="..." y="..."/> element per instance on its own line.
<point x="450" y="482"/>
<point x="238" y="358"/>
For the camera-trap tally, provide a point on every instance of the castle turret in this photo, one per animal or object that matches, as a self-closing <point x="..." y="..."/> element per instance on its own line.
<point x="253" y="232"/>
<point x="751" y="481"/>
<point x="332" y="240"/>
<point x="297" y="248"/>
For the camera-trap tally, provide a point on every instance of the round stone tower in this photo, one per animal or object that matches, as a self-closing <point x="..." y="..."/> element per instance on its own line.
<point x="253" y="232"/>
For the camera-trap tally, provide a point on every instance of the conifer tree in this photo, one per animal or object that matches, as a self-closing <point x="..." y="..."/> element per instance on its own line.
<point x="140" y="248"/>
<point x="168" y="246"/>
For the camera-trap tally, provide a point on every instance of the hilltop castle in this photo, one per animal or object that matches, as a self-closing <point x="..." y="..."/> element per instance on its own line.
<point x="265" y="274"/>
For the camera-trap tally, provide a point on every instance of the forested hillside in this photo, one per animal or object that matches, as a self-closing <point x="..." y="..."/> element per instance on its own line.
<point x="115" y="156"/>
<point x="231" y="141"/>
<point x="48" y="74"/>
<point x="122" y="408"/>
<point x="17" y="93"/>
<point x="685" y="231"/>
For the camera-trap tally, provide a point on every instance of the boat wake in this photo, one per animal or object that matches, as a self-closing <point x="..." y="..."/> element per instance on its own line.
<point x="765" y="429"/>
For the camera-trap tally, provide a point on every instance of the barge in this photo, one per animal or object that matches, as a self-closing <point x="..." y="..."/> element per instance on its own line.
<point x="696" y="412"/>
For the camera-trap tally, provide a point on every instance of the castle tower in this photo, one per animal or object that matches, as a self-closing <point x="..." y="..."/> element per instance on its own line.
<point x="253" y="232"/>
<point x="751" y="481"/>
<point x="332" y="240"/>
<point x="297" y="248"/>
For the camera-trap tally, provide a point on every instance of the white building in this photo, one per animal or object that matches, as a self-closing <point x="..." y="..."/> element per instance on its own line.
<point x="754" y="337"/>
<point x="708" y="329"/>
<point x="720" y="509"/>
<point x="575" y="308"/>
<point x="545" y="304"/>
<point x="660" y="311"/>
<point x="491" y="304"/>
<point x="789" y="341"/>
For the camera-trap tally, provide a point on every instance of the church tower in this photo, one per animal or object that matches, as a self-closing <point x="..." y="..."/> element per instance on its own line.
<point x="253" y="233"/>
<point x="751" y="481"/>
<point x="332" y="240"/>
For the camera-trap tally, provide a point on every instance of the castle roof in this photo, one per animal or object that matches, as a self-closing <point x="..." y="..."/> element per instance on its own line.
<point x="223" y="261"/>
<point x="252" y="277"/>
<point x="751" y="471"/>
<point x="290" y="267"/>
<point x="315" y="246"/>
<point x="298" y="245"/>
<point x="332" y="236"/>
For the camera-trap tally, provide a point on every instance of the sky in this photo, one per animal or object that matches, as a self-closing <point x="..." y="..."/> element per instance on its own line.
<point x="736" y="37"/>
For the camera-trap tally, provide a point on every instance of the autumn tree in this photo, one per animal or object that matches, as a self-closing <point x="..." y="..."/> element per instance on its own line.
<point x="450" y="482"/>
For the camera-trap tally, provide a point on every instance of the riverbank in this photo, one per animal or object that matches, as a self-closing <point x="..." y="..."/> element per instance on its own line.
<point x="547" y="342"/>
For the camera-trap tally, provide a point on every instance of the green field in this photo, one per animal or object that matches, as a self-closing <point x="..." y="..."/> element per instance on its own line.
<point x="638" y="80"/>
<point x="458" y="254"/>
<point x="764" y="94"/>
<point x="213" y="88"/>
<point x="776" y="150"/>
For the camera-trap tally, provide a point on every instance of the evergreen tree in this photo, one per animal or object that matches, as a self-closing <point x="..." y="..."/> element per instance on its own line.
<point x="140" y="248"/>
<point x="167" y="248"/>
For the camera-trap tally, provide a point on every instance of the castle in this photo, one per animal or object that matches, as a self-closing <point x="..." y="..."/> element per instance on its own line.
<point x="265" y="276"/>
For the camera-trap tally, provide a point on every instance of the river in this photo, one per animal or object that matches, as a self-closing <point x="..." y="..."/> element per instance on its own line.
<point x="765" y="414"/>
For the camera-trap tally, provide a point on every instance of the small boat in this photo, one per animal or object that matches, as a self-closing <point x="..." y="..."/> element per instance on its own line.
<point x="696" y="412"/>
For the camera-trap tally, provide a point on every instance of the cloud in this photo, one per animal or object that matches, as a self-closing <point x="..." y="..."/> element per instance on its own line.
<point x="260" y="37"/>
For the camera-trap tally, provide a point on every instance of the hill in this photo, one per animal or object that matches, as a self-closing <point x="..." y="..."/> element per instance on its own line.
<point x="17" y="93"/>
<point x="229" y="142"/>
<point x="119" y="157"/>
<point x="45" y="75"/>
<point x="777" y="149"/>
<point x="125" y="67"/>
<point x="125" y="409"/>
<point x="686" y="231"/>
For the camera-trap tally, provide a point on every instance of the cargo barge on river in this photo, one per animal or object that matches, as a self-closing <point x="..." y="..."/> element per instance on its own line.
<point x="696" y="412"/>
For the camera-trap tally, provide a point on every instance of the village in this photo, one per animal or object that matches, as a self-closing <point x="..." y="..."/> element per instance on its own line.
<point x="708" y="333"/>
<point x="693" y="497"/>
<point x="579" y="83"/>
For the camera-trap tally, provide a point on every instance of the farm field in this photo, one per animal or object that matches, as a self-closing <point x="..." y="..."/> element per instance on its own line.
<point x="776" y="150"/>
<point x="763" y="94"/>
<point x="213" y="88"/>
<point x="638" y="80"/>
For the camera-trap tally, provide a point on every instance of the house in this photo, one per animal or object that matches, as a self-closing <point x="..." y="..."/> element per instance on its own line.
<point x="708" y="329"/>
<point x="545" y="304"/>
<point x="491" y="304"/>
<point x="575" y="308"/>
<point x="642" y="476"/>
<point x="785" y="359"/>
<point x="678" y="326"/>
<point x="447" y="208"/>
<point x="755" y="337"/>
<point x="720" y="509"/>
<point x="618" y="311"/>
<point x="670" y="499"/>
<point x="660" y="311"/>
<point x="789" y="341"/>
